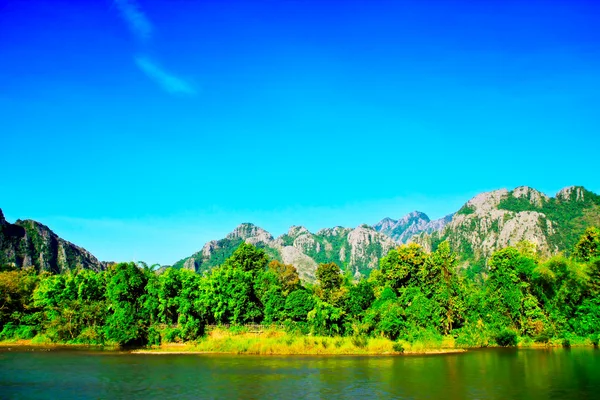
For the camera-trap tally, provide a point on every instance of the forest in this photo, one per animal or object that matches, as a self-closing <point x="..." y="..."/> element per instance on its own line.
<point x="518" y="298"/>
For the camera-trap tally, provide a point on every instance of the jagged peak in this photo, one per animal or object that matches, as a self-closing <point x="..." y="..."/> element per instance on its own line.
<point x="412" y="216"/>
<point x="534" y="196"/>
<point x="487" y="201"/>
<point x="2" y="217"/>
<point x="335" y="231"/>
<point x="248" y="230"/>
<point x="297" y="230"/>
<point x="365" y="227"/>
<point x="33" y="224"/>
<point x="571" y="193"/>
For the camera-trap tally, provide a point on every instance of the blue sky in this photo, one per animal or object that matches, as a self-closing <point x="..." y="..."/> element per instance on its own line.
<point x="141" y="129"/>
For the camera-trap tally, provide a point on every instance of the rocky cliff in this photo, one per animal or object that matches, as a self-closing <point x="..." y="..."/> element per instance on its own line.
<point x="29" y="243"/>
<point x="501" y="218"/>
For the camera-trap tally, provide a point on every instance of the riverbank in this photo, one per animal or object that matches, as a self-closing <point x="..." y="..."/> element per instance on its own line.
<point x="278" y="342"/>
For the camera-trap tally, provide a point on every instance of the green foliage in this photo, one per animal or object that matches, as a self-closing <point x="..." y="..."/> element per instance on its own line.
<point x="466" y="210"/>
<point x="287" y="275"/>
<point x="416" y="297"/>
<point x="329" y="276"/>
<point x="588" y="246"/>
<point x="506" y="338"/>
<point x="126" y="322"/>
<point x="298" y="304"/>
<point x="359" y="298"/>
<point x="359" y="341"/>
<point x="401" y="265"/>
<point x="325" y="319"/>
<point x="330" y="279"/>
<point x="398" y="347"/>
<point x="517" y="204"/>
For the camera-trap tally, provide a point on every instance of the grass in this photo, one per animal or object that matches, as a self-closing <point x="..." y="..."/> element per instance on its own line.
<point x="277" y="342"/>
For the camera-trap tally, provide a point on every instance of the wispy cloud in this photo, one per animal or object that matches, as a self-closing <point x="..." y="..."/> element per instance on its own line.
<point x="139" y="24"/>
<point x="167" y="81"/>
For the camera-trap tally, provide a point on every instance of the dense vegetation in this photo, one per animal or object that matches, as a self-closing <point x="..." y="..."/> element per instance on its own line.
<point x="414" y="295"/>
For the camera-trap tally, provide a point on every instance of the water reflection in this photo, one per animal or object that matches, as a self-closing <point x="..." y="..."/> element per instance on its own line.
<point x="479" y="374"/>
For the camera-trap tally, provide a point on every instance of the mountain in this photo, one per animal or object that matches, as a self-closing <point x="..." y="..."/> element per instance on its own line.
<point x="411" y="224"/>
<point x="496" y="219"/>
<point x="486" y="223"/>
<point x="29" y="243"/>
<point x="356" y="250"/>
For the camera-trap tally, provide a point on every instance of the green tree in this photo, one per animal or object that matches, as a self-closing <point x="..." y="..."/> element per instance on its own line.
<point x="128" y="320"/>
<point x="401" y="265"/>
<point x="588" y="246"/>
<point x="298" y="304"/>
<point x="287" y="275"/>
<point x="330" y="279"/>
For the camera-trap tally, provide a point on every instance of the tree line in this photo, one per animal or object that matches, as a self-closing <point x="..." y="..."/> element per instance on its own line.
<point x="413" y="295"/>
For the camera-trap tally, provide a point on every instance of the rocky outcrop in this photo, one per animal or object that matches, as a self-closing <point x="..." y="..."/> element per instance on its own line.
<point x="493" y="220"/>
<point x="28" y="243"/>
<point x="411" y="224"/>
<point x="251" y="234"/>
<point x="571" y="193"/>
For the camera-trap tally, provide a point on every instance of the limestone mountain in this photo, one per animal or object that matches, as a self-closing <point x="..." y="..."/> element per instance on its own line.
<point x="411" y="224"/>
<point x="500" y="218"/>
<point x="28" y="243"/>
<point x="356" y="250"/>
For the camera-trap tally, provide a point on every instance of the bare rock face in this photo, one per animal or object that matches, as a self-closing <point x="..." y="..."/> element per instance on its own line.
<point x="30" y="244"/>
<point x="367" y="246"/>
<point x="411" y="224"/>
<point x="404" y="228"/>
<point x="487" y="202"/>
<point x="251" y="234"/>
<point x="306" y="266"/>
<point x="493" y="220"/>
<point x="571" y="193"/>
<point x="535" y="197"/>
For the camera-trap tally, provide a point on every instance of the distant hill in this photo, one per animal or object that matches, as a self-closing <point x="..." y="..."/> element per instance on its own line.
<point x="29" y="243"/>
<point x="486" y="223"/>
<point x="411" y="224"/>
<point x="356" y="250"/>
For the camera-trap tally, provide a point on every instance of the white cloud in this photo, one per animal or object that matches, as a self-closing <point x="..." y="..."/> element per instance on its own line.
<point x="164" y="79"/>
<point x="139" y="24"/>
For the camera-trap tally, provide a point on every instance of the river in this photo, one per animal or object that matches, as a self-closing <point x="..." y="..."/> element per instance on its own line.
<point x="477" y="374"/>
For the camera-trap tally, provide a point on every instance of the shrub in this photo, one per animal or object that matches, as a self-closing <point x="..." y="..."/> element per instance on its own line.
<point x="359" y="341"/>
<point x="595" y="339"/>
<point x="566" y="343"/>
<point x="543" y="337"/>
<point x="172" y="335"/>
<point x="398" y="347"/>
<point x="506" y="338"/>
<point x="154" y="338"/>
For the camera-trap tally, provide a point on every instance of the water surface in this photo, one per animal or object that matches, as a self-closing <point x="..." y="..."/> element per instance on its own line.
<point x="479" y="374"/>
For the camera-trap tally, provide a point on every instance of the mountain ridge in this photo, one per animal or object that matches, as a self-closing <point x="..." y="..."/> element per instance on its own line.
<point x="486" y="222"/>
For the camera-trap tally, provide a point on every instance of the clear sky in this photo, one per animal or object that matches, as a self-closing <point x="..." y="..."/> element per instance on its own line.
<point x="141" y="129"/>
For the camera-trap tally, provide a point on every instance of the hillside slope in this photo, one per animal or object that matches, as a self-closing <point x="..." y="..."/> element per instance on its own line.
<point x="28" y="243"/>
